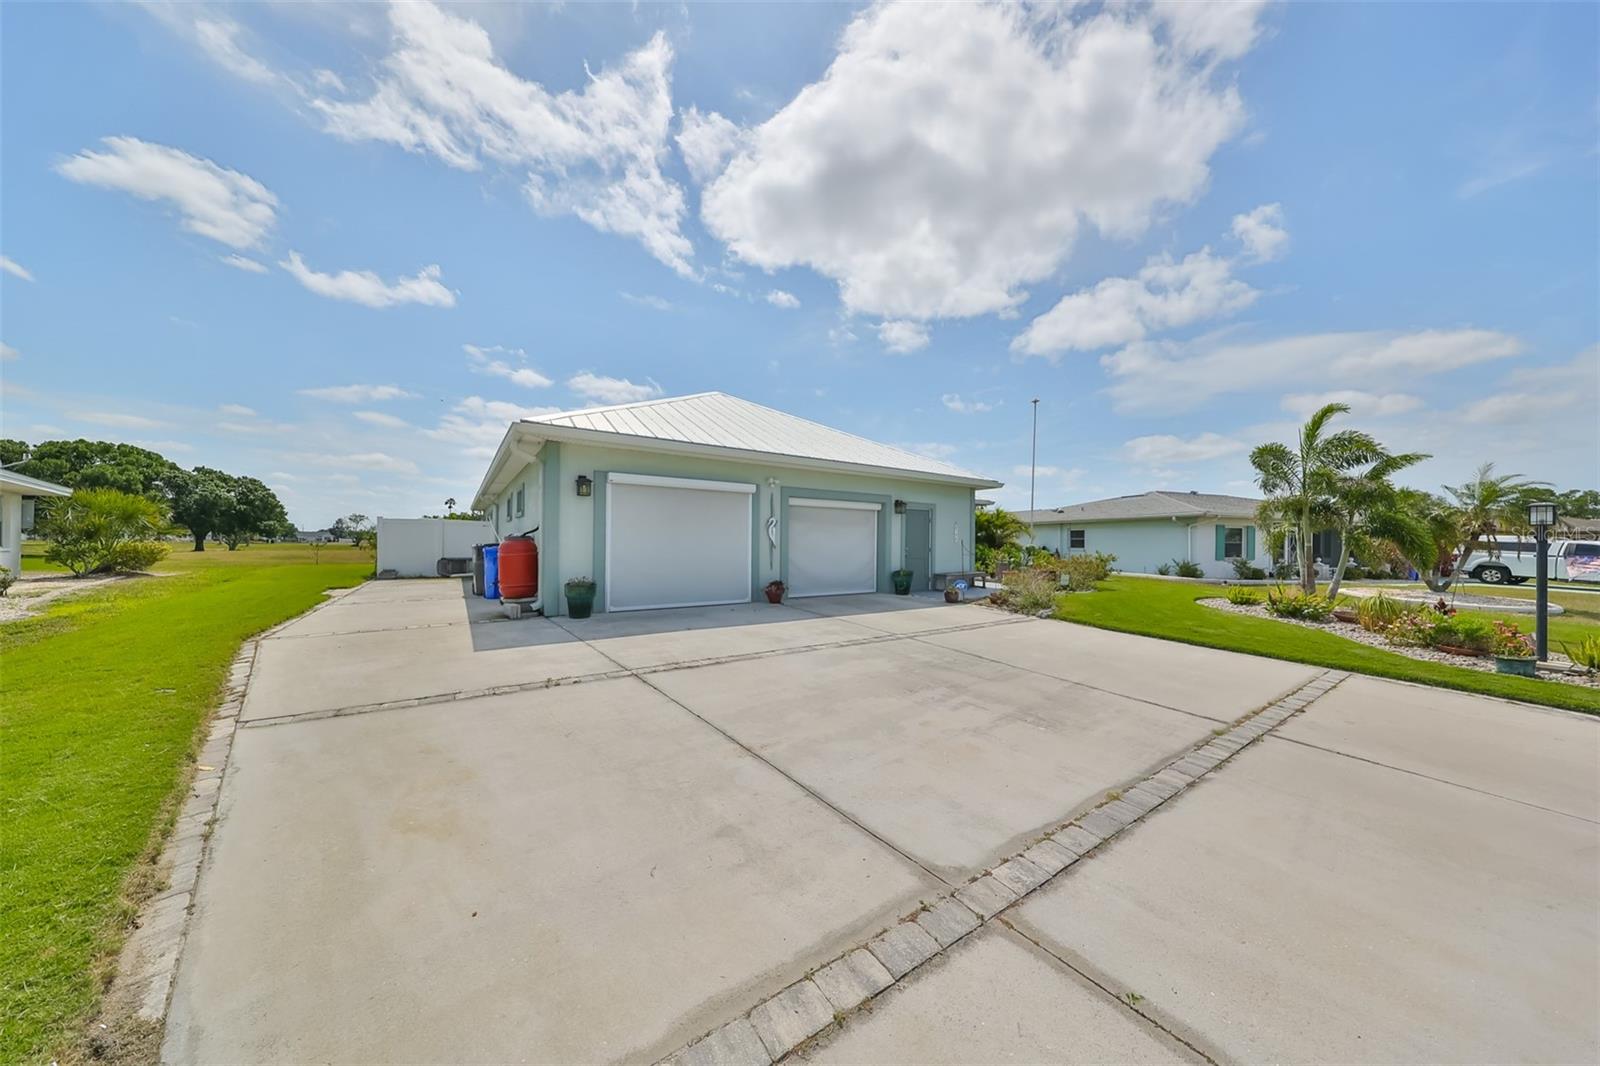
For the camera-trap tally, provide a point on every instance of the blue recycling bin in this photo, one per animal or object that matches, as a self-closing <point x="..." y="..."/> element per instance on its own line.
<point x="491" y="572"/>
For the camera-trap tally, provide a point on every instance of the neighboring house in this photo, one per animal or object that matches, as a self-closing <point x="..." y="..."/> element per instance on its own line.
<point x="313" y="536"/>
<point x="704" y="499"/>
<point x="17" y="493"/>
<point x="1155" y="528"/>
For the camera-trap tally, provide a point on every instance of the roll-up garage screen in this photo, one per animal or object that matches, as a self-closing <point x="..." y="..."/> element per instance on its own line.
<point x="676" y="542"/>
<point x="833" y="547"/>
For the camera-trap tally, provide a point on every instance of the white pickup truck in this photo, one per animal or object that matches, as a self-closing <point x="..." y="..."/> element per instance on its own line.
<point x="1513" y="560"/>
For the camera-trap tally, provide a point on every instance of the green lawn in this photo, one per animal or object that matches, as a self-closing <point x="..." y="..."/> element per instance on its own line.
<point x="102" y="700"/>
<point x="1167" y="609"/>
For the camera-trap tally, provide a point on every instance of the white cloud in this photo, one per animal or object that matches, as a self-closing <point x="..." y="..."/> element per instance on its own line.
<point x="358" y="393"/>
<point x="245" y="263"/>
<point x="1262" y="233"/>
<point x="1163" y="295"/>
<point x="482" y="361"/>
<point x="1163" y="448"/>
<point x="476" y="425"/>
<point x="951" y="152"/>
<point x="786" y="300"/>
<point x="655" y="303"/>
<point x="594" y="153"/>
<point x="237" y="410"/>
<point x="1530" y="396"/>
<point x="365" y="287"/>
<point x="380" y="418"/>
<point x="119" y="420"/>
<point x="1223" y="31"/>
<point x="612" y="390"/>
<point x="1302" y="404"/>
<point x="8" y="353"/>
<point x="223" y="205"/>
<point x="954" y="402"/>
<point x="706" y="141"/>
<point x="1170" y="376"/>
<point x="357" y="461"/>
<point x="219" y="38"/>
<point x="14" y="268"/>
<point x="901" y="336"/>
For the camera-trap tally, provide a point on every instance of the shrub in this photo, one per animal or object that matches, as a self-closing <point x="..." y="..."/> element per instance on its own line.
<point x="7" y="579"/>
<point x="97" y="531"/>
<point x="1245" y="571"/>
<point x="1165" y="569"/>
<point x="1243" y="597"/>
<point x="1187" y="569"/>
<point x="1378" y="612"/>
<point x="1511" y="642"/>
<point x="1284" y="572"/>
<point x="1083" y="572"/>
<point x="1414" y="629"/>
<point x="1584" y="653"/>
<point x="1465" y="631"/>
<point x="1285" y="604"/>
<point x="1028" y="591"/>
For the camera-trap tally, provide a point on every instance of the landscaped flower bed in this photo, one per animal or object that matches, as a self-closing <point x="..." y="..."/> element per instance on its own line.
<point x="1412" y="634"/>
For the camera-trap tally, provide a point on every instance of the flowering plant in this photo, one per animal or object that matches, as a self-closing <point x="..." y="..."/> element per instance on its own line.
<point x="1511" y="642"/>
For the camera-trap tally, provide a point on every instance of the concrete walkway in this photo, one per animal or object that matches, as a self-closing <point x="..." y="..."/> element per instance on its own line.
<point x="448" y="836"/>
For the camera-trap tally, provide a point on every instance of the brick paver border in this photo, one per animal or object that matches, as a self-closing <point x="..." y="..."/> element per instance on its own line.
<point x="772" y="1029"/>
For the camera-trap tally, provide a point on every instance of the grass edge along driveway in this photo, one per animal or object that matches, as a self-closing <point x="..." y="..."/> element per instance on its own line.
<point x="102" y="702"/>
<point x="1168" y="610"/>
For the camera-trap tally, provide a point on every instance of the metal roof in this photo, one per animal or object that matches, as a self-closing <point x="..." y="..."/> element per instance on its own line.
<point x="1146" y="505"/>
<point x="23" y="485"/>
<point x="734" y="428"/>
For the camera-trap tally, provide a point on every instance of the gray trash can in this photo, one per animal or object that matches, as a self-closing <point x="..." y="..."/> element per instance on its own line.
<point x="477" y="569"/>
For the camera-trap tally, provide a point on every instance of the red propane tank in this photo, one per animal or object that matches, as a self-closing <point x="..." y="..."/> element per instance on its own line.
<point x="519" y="568"/>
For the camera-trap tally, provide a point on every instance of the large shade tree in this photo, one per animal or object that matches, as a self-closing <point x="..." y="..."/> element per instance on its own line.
<point x="1301" y="483"/>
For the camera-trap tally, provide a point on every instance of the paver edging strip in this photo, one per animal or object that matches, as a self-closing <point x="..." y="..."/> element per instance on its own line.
<point x="919" y="937"/>
<point x="147" y="965"/>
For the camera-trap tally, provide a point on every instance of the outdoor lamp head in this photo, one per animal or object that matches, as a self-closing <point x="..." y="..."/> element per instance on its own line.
<point x="585" y="485"/>
<point x="1541" y="514"/>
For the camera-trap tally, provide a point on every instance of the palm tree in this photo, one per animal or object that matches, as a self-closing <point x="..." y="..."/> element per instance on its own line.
<point x="450" y="504"/>
<point x="1367" y="510"/>
<point x="1485" y="506"/>
<point x="1300" y="485"/>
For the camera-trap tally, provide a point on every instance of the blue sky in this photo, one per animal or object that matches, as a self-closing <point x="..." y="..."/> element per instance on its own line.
<point x="340" y="247"/>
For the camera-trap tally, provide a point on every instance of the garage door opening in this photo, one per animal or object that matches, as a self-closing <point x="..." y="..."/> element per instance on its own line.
<point x="833" y="547"/>
<point x="676" y="542"/>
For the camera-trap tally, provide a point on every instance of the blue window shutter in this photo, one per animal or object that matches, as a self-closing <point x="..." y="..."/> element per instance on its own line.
<point x="1249" y="542"/>
<point x="1222" y="541"/>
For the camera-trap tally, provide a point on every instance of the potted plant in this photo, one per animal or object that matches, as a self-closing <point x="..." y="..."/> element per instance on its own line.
<point x="1513" y="651"/>
<point x="774" y="590"/>
<point x="902" y="582"/>
<point x="580" y="597"/>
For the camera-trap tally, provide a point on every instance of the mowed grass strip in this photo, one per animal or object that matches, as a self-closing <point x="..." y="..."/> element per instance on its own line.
<point x="1167" y="609"/>
<point x="101" y="702"/>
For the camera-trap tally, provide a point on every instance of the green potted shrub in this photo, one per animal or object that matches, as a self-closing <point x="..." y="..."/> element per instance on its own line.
<point x="1513" y="651"/>
<point x="902" y="582"/>
<point x="580" y="597"/>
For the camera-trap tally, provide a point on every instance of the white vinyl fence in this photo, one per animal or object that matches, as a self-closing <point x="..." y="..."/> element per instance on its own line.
<point x="412" y="547"/>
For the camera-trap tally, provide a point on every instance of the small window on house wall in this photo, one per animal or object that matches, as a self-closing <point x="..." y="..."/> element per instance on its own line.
<point x="1233" y="543"/>
<point x="1076" y="538"/>
<point x="520" y="490"/>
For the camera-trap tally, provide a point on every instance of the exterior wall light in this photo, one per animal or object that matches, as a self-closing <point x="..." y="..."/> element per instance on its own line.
<point x="585" y="485"/>
<point x="899" y="507"/>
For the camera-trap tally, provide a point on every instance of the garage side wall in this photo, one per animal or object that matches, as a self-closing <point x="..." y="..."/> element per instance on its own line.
<point x="577" y="547"/>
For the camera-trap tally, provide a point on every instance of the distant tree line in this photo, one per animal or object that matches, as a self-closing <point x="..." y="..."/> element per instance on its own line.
<point x="204" y="501"/>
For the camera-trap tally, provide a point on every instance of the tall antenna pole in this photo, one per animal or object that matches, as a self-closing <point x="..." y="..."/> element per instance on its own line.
<point x="1033" y="473"/>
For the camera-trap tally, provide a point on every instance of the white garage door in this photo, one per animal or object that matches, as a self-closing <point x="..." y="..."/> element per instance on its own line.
<point x="833" y="547"/>
<point x="676" y="542"/>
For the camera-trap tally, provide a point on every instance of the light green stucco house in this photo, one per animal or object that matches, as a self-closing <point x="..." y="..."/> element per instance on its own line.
<point x="704" y="499"/>
<point x="1155" y="528"/>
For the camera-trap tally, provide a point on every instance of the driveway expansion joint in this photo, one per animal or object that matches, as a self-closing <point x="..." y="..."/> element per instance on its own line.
<point x="936" y="927"/>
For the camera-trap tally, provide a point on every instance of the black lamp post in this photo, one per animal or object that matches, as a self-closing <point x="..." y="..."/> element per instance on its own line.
<point x="1541" y="516"/>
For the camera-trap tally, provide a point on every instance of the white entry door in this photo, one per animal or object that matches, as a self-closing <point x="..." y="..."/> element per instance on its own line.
<point x="833" y="547"/>
<point x="676" y="542"/>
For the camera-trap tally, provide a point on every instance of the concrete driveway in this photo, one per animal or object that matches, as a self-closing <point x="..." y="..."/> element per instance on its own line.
<point x="444" y="836"/>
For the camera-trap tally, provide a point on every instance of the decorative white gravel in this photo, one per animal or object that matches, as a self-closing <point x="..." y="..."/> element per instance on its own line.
<point x="1351" y="631"/>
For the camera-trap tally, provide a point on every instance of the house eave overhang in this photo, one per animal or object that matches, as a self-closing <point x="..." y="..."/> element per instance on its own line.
<point x="527" y="437"/>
